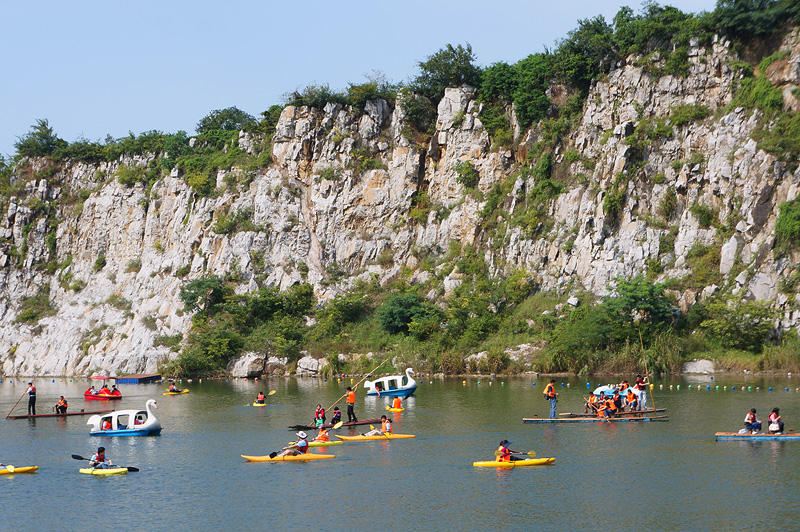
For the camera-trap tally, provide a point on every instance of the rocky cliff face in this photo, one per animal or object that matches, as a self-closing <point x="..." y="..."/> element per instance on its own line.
<point x="334" y="207"/>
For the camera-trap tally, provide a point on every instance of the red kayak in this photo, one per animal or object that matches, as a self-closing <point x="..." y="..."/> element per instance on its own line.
<point x="89" y="396"/>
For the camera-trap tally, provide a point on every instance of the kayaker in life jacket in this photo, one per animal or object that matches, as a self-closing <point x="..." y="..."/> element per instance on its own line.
<point x="751" y="422"/>
<point x="297" y="448"/>
<point x="323" y="435"/>
<point x="99" y="460"/>
<point x="506" y="454"/>
<point x="386" y="428"/>
<point x="397" y="403"/>
<point x="337" y="416"/>
<point x="260" y="398"/>
<point x="173" y="388"/>
<point x="61" y="406"/>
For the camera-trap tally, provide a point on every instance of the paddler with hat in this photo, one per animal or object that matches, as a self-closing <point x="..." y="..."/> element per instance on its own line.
<point x="506" y="454"/>
<point x="299" y="447"/>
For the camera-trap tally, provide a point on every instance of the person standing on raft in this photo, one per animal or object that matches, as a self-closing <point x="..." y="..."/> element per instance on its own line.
<point x="640" y="389"/>
<point x="351" y="402"/>
<point x="550" y="394"/>
<point x="31" y="398"/>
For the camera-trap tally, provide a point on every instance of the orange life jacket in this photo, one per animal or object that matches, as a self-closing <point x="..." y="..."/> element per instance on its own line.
<point x="550" y="391"/>
<point x="351" y="397"/>
<point x="397" y="403"/>
<point x="322" y="436"/>
<point x="105" y="390"/>
<point x="386" y="426"/>
<point x="106" y="425"/>
<point x="505" y="454"/>
<point x="62" y="402"/>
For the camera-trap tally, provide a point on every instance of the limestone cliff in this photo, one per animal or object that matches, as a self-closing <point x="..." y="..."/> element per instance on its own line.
<point x="324" y="217"/>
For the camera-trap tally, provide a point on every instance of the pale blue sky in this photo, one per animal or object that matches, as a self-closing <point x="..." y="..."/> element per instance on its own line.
<point x="94" y="68"/>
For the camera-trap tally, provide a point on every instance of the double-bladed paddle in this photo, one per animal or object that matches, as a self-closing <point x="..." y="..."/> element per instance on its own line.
<point x="529" y="453"/>
<point x="129" y="468"/>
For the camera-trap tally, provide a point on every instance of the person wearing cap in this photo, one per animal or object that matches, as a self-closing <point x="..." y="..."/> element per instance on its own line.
<point x="751" y="422"/>
<point x="99" y="460"/>
<point x="506" y="454"/>
<point x="31" y="399"/>
<point x="299" y="447"/>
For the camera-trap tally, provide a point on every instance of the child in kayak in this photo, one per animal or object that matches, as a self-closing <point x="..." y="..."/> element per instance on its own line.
<point x="323" y="435"/>
<point x="506" y="454"/>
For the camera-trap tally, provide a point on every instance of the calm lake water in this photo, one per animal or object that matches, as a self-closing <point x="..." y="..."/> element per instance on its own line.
<point x="625" y="476"/>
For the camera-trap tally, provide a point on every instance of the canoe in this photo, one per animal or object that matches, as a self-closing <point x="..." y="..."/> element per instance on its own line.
<point x="29" y="469"/>
<point x="361" y="437"/>
<point x="516" y="463"/>
<point x="109" y="471"/>
<point x="109" y="397"/>
<point x="299" y="458"/>
<point x="320" y="443"/>
<point x="790" y="436"/>
<point x="80" y="413"/>
<point x="619" y="414"/>
<point x="185" y="390"/>
<point x="372" y="421"/>
<point x="390" y="409"/>
<point x="592" y="419"/>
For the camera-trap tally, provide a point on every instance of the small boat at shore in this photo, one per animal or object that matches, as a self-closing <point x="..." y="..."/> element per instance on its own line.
<point x="79" y="413"/>
<point x="11" y="470"/>
<point x="393" y="385"/>
<point x="288" y="458"/>
<point x="390" y="436"/>
<point x="515" y="463"/>
<point x="371" y="421"/>
<point x="594" y="419"/>
<point x="127" y="422"/>
<point x="748" y="436"/>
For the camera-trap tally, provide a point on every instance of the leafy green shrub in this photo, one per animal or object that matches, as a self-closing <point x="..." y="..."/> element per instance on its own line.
<point x="171" y="341"/>
<point x="782" y="140"/>
<point x="99" y="263"/>
<point x="183" y="271"/>
<point x="133" y="265"/>
<point x="668" y="204"/>
<point x="400" y="310"/>
<point x="757" y="93"/>
<point x="229" y="119"/>
<point x="613" y="202"/>
<point x="787" y="227"/>
<point x="739" y="324"/>
<point x="329" y="174"/>
<point x="681" y="115"/>
<point x="40" y="141"/>
<point x="240" y="220"/>
<point x="119" y="303"/>
<point x="451" y="66"/>
<point x="129" y="176"/>
<point x="36" y="307"/>
<point x="466" y="174"/>
<point x="149" y="322"/>
<point x="201" y="183"/>
<point x="419" y="111"/>
<point x="706" y="217"/>
<point x="362" y="160"/>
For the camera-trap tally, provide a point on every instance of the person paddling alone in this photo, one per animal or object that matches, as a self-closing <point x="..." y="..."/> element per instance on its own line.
<point x="300" y="447"/>
<point x="386" y="428"/>
<point x="260" y="398"/>
<point x="99" y="460"/>
<point x="506" y="454"/>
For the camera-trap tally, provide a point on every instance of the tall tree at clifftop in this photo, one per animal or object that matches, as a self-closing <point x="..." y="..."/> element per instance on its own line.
<point x="449" y="67"/>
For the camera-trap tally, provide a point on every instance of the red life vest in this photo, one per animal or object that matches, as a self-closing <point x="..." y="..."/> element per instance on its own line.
<point x="260" y="397"/>
<point x="106" y="425"/>
<point x="302" y="446"/>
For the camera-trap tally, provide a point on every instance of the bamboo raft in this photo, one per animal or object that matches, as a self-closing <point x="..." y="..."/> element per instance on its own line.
<point x="372" y="421"/>
<point x="788" y="436"/>
<point x="594" y="419"/>
<point x="80" y="413"/>
<point x="618" y="414"/>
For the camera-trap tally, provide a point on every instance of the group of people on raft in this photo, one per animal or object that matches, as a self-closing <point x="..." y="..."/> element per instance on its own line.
<point x="625" y="397"/>
<point x="753" y="425"/>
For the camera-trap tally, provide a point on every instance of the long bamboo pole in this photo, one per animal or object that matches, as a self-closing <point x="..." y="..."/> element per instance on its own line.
<point x="20" y="397"/>
<point x="359" y="382"/>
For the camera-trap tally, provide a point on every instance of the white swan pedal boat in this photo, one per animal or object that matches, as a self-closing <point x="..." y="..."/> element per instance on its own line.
<point x="127" y="422"/>
<point x="393" y="385"/>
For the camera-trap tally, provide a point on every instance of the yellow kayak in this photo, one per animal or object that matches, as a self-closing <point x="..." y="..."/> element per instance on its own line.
<point x="320" y="443"/>
<point x="516" y="463"/>
<point x="110" y="471"/>
<point x="259" y="404"/>
<point x="14" y="470"/>
<point x="299" y="458"/>
<point x="361" y="437"/>
<point x="185" y="390"/>
<point x="391" y="409"/>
